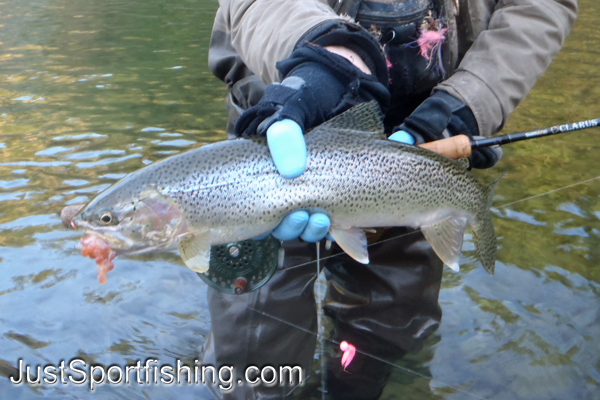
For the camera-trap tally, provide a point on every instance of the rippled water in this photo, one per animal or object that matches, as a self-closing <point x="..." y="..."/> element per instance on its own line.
<point x="90" y="91"/>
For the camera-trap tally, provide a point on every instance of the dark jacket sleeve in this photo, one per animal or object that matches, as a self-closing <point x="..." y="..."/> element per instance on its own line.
<point x="507" y="58"/>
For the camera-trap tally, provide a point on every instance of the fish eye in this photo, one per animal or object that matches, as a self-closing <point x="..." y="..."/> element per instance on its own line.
<point x="106" y="217"/>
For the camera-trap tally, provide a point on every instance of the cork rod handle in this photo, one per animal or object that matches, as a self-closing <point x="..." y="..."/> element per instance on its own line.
<point x="454" y="147"/>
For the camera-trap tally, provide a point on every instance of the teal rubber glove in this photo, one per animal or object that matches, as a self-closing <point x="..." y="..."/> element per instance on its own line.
<point x="402" y="137"/>
<point x="310" y="228"/>
<point x="288" y="148"/>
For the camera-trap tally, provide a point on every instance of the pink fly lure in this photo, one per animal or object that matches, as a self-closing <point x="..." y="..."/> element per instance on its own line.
<point x="430" y="41"/>
<point x="349" y="352"/>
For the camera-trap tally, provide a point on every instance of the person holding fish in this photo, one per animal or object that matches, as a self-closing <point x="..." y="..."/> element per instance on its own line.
<point x="436" y="68"/>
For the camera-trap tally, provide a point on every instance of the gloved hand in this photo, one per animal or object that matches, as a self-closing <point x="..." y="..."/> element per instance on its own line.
<point x="310" y="228"/>
<point x="318" y="85"/>
<point x="402" y="137"/>
<point x="288" y="148"/>
<point x="481" y="157"/>
<point x="441" y="116"/>
<point x="311" y="93"/>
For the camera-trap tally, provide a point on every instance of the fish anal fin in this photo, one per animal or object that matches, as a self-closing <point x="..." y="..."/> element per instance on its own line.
<point x="446" y="238"/>
<point x="353" y="241"/>
<point x="195" y="251"/>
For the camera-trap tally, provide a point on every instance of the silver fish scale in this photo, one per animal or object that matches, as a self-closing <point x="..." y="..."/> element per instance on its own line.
<point x="357" y="179"/>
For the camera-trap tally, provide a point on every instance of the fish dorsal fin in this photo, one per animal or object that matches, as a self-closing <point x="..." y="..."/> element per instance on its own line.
<point x="195" y="251"/>
<point x="353" y="241"/>
<point x="365" y="117"/>
<point x="446" y="238"/>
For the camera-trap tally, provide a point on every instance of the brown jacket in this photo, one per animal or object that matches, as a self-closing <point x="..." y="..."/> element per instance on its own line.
<point x="504" y="46"/>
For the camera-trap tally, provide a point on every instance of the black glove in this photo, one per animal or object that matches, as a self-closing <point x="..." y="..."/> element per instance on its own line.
<point x="442" y="111"/>
<point x="319" y="84"/>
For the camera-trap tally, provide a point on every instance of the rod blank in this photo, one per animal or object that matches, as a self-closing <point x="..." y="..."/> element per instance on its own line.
<point x="460" y="146"/>
<point x="554" y="130"/>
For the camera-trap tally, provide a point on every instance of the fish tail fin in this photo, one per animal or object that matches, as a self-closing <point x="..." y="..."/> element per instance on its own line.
<point x="483" y="231"/>
<point x="485" y="242"/>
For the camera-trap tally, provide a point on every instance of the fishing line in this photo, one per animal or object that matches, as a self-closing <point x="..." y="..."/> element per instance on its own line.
<point x="550" y="192"/>
<point x="368" y="245"/>
<point x="320" y="328"/>
<point x="364" y="352"/>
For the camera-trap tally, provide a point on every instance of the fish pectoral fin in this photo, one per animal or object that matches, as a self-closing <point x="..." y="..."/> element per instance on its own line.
<point x="446" y="238"/>
<point x="195" y="251"/>
<point x="353" y="241"/>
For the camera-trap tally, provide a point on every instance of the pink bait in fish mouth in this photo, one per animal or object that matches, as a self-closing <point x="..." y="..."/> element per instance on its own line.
<point x="349" y="352"/>
<point x="99" y="249"/>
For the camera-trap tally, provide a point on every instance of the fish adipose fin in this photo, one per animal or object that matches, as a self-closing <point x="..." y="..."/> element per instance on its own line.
<point x="464" y="163"/>
<point x="365" y="117"/>
<point x="353" y="241"/>
<point x="195" y="251"/>
<point x="446" y="238"/>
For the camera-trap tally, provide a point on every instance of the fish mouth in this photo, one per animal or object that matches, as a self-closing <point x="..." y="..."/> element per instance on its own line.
<point x="121" y="244"/>
<point x="116" y="243"/>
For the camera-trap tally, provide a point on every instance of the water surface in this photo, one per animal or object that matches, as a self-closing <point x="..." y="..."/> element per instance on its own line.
<point x="90" y="91"/>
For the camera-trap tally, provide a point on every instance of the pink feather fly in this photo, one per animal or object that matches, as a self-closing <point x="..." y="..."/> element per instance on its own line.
<point x="349" y="352"/>
<point x="429" y="42"/>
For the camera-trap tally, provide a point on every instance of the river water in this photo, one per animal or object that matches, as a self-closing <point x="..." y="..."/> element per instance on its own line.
<point x="91" y="91"/>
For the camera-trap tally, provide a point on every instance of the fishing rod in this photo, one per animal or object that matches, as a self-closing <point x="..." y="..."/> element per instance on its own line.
<point x="460" y="146"/>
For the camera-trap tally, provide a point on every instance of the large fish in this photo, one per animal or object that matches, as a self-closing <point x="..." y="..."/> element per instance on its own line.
<point x="231" y="191"/>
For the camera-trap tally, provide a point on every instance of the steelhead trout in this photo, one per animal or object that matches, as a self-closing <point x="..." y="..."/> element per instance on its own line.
<point x="231" y="191"/>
